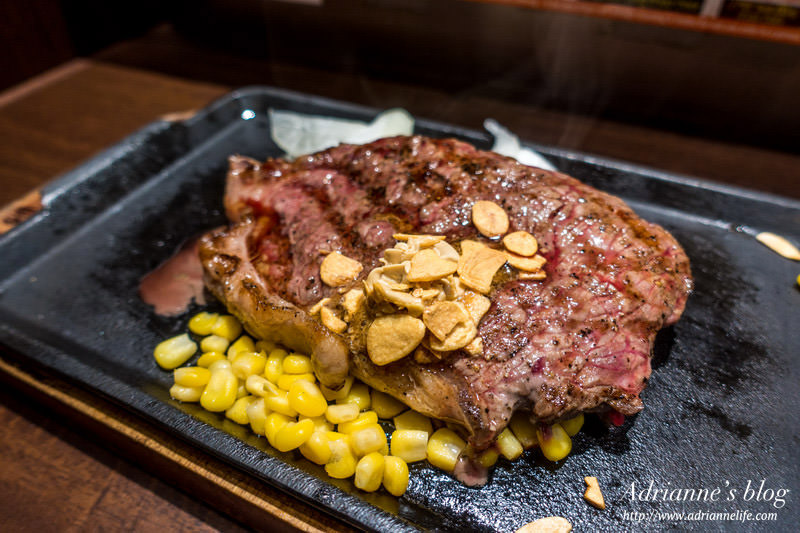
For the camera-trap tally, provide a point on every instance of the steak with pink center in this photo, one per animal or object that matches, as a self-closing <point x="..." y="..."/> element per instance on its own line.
<point x="579" y="340"/>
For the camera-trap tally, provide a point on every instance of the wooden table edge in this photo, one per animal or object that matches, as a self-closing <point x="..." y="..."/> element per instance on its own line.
<point x="20" y="210"/>
<point x="224" y="488"/>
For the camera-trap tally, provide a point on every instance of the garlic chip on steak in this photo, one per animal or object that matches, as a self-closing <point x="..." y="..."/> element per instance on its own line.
<point x="331" y="321"/>
<point x="476" y="304"/>
<point x="393" y="337"/>
<point x="426" y="296"/>
<point x="337" y="269"/>
<point x="521" y="243"/>
<point x="442" y="317"/>
<point x="528" y="264"/>
<point x="426" y="265"/>
<point x="489" y="218"/>
<point x="478" y="267"/>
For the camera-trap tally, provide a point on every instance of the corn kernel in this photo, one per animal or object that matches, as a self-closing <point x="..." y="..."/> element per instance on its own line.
<point x="242" y="391"/>
<point x="242" y="344"/>
<point x="293" y="434"/>
<point x="285" y="381"/>
<point x="367" y="440"/>
<point x="209" y="358"/>
<point x="413" y="420"/>
<point x="294" y="363"/>
<point x="317" y="448"/>
<point x="214" y="343"/>
<point x="369" y="472"/>
<point x="238" y="411"/>
<point x="342" y="463"/>
<point x="201" y="323"/>
<point x="386" y="406"/>
<point x="488" y="458"/>
<point x="410" y="444"/>
<point x="320" y="424"/>
<point x="248" y="364"/>
<point x="261" y="386"/>
<point x="220" y="393"/>
<point x="227" y="326"/>
<point x="554" y="441"/>
<point x="359" y="395"/>
<point x="274" y="367"/>
<point x="191" y="376"/>
<point x="183" y="393"/>
<point x="257" y="415"/>
<point x="365" y="419"/>
<point x="340" y="394"/>
<point x="573" y="425"/>
<point x="265" y="346"/>
<point x="335" y="435"/>
<point x="523" y="429"/>
<point x="273" y="423"/>
<point x="444" y="448"/>
<point x="279" y="403"/>
<point x="173" y="352"/>
<point x="222" y="364"/>
<point x="395" y="475"/>
<point x="306" y="398"/>
<point x="509" y="445"/>
<point x="345" y="412"/>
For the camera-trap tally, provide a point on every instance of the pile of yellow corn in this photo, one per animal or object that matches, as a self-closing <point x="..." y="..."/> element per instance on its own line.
<point x="276" y="393"/>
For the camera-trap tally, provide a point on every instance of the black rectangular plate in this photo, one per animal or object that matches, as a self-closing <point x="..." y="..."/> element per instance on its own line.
<point x="721" y="407"/>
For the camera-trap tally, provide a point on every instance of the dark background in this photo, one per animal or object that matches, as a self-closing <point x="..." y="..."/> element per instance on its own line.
<point x="710" y="86"/>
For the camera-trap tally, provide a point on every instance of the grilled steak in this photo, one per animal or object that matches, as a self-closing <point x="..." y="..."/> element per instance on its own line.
<point x="579" y="340"/>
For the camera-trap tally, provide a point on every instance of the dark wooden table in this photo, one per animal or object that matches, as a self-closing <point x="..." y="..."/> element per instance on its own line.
<point x="70" y="461"/>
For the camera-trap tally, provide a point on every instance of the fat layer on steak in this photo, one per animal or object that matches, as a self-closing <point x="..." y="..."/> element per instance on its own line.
<point x="580" y="340"/>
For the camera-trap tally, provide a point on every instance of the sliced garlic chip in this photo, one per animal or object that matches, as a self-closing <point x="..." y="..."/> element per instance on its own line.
<point x="521" y="243"/>
<point x="528" y="264"/>
<point x="489" y="218"/>
<point x="551" y="524"/>
<point x="593" y="494"/>
<point x="475" y="347"/>
<point x="426" y="295"/>
<point x="468" y="247"/>
<point x="337" y="269"/>
<point x="353" y="301"/>
<point x="392" y="337"/>
<point x="452" y="287"/>
<point x="476" y="304"/>
<point x="394" y="276"/>
<point x="446" y="251"/>
<point x="419" y="241"/>
<point x="462" y="335"/>
<point x="331" y="321"/>
<point x="393" y="256"/>
<point x="478" y="267"/>
<point x="538" y="275"/>
<point x="779" y="245"/>
<point x="398" y="298"/>
<point x="442" y="317"/>
<point x="317" y="306"/>
<point x="428" y="266"/>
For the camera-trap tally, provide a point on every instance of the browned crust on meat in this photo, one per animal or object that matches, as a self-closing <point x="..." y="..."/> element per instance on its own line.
<point x="264" y="314"/>
<point x="432" y="390"/>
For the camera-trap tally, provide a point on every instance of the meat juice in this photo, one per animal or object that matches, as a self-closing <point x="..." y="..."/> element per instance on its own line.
<point x="172" y="286"/>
